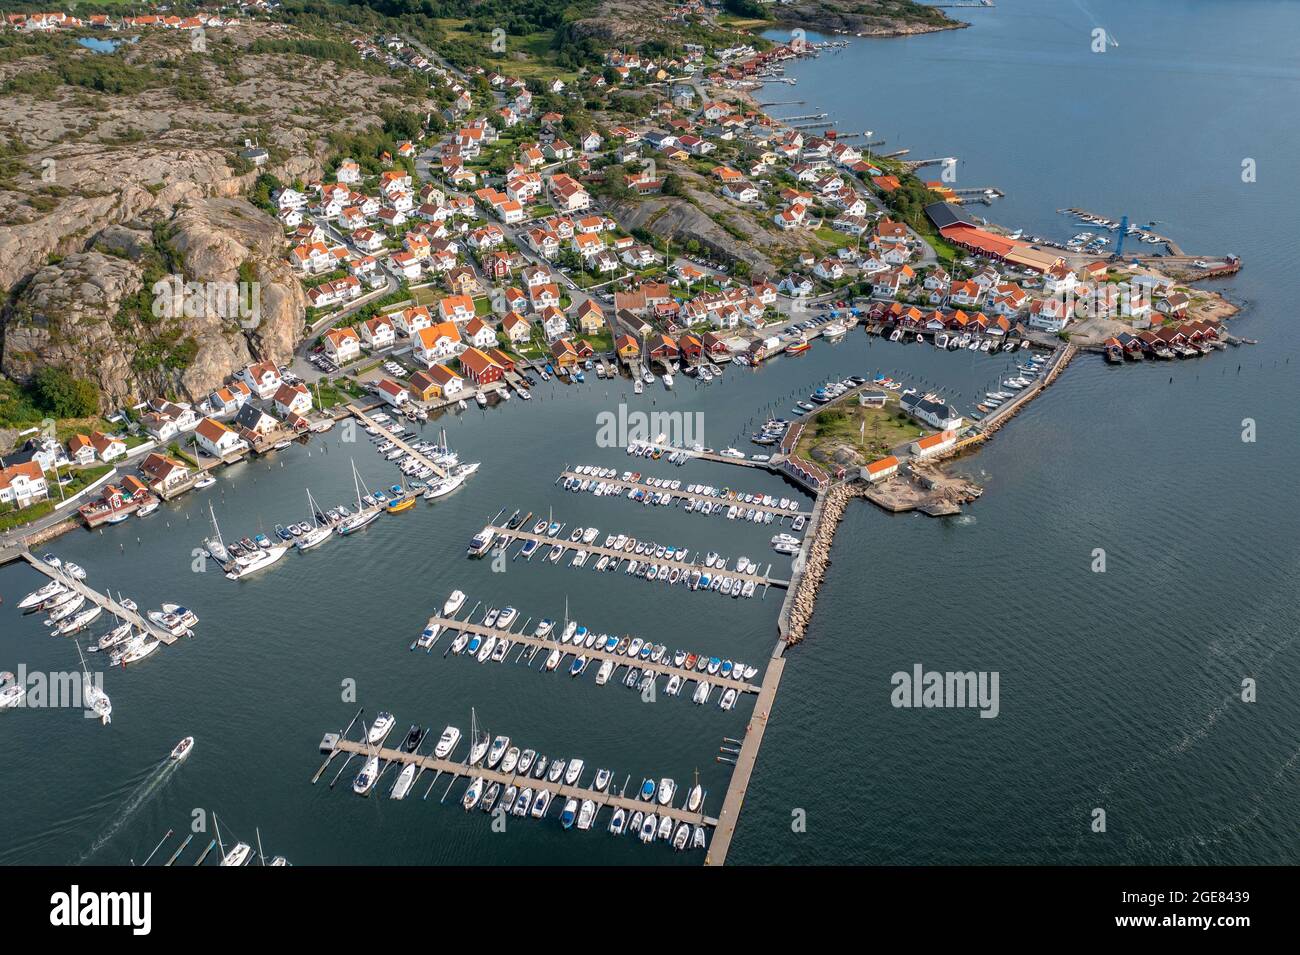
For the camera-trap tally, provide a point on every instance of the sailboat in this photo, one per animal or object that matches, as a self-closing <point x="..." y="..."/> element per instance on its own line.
<point x="364" y="515"/>
<point x="214" y="544"/>
<point x="319" y="532"/>
<point x="478" y="744"/>
<point x="96" y="699"/>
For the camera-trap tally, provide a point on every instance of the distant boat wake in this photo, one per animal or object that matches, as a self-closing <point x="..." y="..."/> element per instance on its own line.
<point x="153" y="781"/>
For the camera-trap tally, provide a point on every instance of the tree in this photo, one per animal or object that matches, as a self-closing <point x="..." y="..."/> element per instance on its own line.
<point x="64" y="396"/>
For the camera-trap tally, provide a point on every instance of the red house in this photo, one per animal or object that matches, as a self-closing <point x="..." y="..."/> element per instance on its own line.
<point x="479" y="368"/>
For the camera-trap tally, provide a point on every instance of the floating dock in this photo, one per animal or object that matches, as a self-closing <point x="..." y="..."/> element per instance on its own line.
<point x="560" y="791"/>
<point x="684" y="495"/>
<point x="600" y="551"/>
<point x="371" y="423"/>
<point x="567" y="649"/>
<point x="103" y="600"/>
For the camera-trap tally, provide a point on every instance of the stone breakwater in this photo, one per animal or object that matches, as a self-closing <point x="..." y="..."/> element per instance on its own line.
<point x="803" y="592"/>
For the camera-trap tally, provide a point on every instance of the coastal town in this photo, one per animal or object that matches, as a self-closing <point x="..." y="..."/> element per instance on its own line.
<point x="644" y="226"/>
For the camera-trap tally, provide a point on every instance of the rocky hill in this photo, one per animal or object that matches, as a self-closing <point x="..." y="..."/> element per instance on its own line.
<point x="121" y="169"/>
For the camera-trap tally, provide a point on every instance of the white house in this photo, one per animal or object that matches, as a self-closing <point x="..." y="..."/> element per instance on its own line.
<point x="218" y="440"/>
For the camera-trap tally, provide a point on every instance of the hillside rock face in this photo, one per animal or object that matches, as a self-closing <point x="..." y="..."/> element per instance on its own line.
<point x="679" y="221"/>
<point x="71" y="312"/>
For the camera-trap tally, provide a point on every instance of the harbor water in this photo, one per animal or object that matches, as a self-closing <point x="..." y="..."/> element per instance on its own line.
<point x="1118" y="690"/>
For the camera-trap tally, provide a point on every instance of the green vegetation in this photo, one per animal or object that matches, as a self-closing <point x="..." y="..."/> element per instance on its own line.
<point x="57" y="392"/>
<point x="870" y="432"/>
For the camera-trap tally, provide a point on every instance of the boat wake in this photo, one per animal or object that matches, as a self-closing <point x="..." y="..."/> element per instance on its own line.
<point x="153" y="781"/>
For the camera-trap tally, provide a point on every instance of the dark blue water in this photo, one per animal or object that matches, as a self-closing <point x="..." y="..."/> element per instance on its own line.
<point x="1118" y="690"/>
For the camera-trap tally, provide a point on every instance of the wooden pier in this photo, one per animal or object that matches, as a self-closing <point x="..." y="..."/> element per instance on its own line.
<point x="686" y="495"/>
<point x="560" y="791"/>
<point x="568" y="649"/>
<point x="601" y="551"/>
<point x="725" y="824"/>
<point x="370" y="422"/>
<point x="103" y="600"/>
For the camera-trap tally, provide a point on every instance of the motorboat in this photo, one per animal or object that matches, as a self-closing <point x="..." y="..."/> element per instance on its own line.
<point x="541" y="804"/>
<point x="619" y="821"/>
<point x="647" y="792"/>
<point x="569" y="815"/>
<point x="648" y="827"/>
<point x="473" y="793"/>
<point x="182" y="749"/>
<point x="446" y="742"/>
<point x="38" y="597"/>
<point x="667" y="789"/>
<point x="573" y="772"/>
<point x="587" y="814"/>
<point x="497" y="751"/>
<point x="380" y="728"/>
<point x="404" y="781"/>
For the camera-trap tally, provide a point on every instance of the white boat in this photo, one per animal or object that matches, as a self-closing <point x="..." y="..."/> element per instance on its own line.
<point x="318" y="533"/>
<point x="363" y="515"/>
<point x="365" y="780"/>
<point x="694" y="798"/>
<point x="473" y="794"/>
<point x="263" y="558"/>
<point x="148" y="507"/>
<point x="380" y="728"/>
<point x="206" y="481"/>
<point x="668" y="380"/>
<point x="667" y="789"/>
<point x="453" y="603"/>
<point x="39" y="596"/>
<point x="183" y="748"/>
<point x="587" y="814"/>
<point x="66" y="607"/>
<point x="447" y="742"/>
<point x="497" y="751"/>
<point x="404" y="780"/>
<point x="573" y="772"/>
<point x="11" y="694"/>
<point x="79" y="620"/>
<point x="237" y="856"/>
<point x="138" y="649"/>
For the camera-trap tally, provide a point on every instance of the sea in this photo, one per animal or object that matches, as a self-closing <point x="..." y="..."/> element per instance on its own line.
<point x="1129" y="574"/>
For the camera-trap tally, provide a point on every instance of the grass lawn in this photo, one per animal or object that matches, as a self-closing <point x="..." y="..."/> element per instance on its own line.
<point x="885" y="428"/>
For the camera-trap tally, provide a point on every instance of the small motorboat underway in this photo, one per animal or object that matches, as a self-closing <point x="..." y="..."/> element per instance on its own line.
<point x="183" y="748"/>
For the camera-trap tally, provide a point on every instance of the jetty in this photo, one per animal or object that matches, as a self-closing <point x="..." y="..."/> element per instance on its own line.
<point x="103" y="600"/>
<point x="684" y="495"/>
<point x="560" y="791"/>
<point x="620" y="659"/>
<point x="759" y="580"/>
<point x="371" y="423"/>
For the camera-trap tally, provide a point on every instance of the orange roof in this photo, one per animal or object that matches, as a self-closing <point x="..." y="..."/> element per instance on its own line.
<point x="884" y="464"/>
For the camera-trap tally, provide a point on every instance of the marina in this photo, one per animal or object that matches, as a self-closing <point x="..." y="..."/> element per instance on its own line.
<point x="642" y="486"/>
<point x="348" y="614"/>
<point x="449" y="627"/>
<point x="560" y="547"/>
<point x="565" y="792"/>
